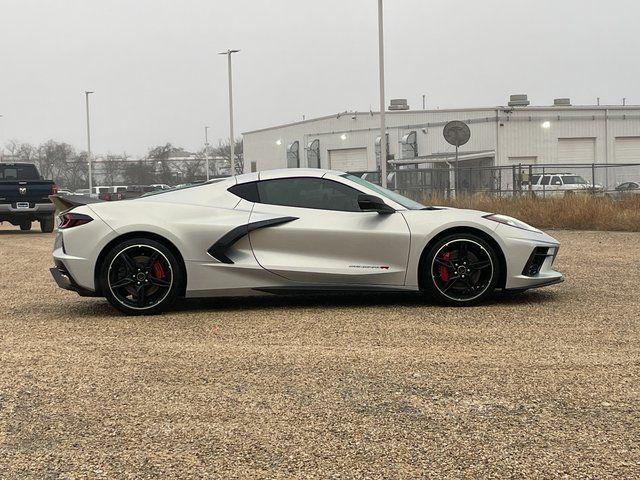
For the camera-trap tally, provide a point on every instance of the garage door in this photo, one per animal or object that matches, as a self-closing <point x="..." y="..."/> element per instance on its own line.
<point x="348" y="159"/>
<point x="576" y="150"/>
<point x="628" y="149"/>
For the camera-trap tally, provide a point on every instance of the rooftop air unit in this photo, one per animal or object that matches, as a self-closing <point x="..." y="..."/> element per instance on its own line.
<point x="519" y="100"/>
<point x="562" y="102"/>
<point x="398" y="104"/>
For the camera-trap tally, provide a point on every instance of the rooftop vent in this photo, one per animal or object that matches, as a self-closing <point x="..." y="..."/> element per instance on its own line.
<point x="519" y="100"/>
<point x="398" y="104"/>
<point x="562" y="102"/>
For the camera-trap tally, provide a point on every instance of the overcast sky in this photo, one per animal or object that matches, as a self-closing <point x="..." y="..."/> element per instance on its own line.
<point x="157" y="76"/>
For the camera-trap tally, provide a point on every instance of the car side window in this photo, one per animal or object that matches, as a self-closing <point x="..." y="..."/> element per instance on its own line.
<point x="556" y="180"/>
<point x="304" y="192"/>
<point x="545" y="180"/>
<point x="633" y="186"/>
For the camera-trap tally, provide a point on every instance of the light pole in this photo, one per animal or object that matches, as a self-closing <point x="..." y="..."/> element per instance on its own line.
<point x="86" y="99"/>
<point x="206" y="150"/>
<point x="232" y="140"/>
<point x="383" y="136"/>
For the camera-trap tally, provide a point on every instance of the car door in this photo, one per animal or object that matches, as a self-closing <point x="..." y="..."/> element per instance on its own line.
<point x="556" y="184"/>
<point x="328" y="239"/>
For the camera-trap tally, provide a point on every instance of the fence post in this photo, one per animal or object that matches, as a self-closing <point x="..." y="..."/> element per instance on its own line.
<point x="593" y="179"/>
<point x="513" y="180"/>
<point x="531" y="180"/>
<point x="544" y="190"/>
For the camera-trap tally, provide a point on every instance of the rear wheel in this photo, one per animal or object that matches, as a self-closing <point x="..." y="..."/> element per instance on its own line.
<point x="141" y="276"/>
<point x="461" y="269"/>
<point x="25" y="226"/>
<point x="46" y="224"/>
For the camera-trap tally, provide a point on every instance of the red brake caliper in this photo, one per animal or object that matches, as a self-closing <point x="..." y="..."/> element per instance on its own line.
<point x="442" y="270"/>
<point x="158" y="271"/>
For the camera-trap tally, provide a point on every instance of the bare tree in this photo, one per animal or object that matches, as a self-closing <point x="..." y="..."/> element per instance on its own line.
<point x="223" y="150"/>
<point x="138" y="173"/>
<point x="162" y="166"/>
<point x="111" y="169"/>
<point x="53" y="159"/>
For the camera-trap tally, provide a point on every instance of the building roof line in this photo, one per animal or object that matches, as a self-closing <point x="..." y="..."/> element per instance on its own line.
<point x="502" y="108"/>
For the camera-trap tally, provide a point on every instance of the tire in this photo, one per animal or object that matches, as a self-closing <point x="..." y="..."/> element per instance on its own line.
<point x="461" y="269"/>
<point x="25" y="226"/>
<point x="141" y="276"/>
<point x="46" y="225"/>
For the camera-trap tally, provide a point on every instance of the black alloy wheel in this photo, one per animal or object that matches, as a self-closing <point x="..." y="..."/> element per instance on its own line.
<point x="462" y="270"/>
<point x="141" y="276"/>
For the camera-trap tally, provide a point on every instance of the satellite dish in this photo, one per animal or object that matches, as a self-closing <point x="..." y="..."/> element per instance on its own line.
<point x="456" y="133"/>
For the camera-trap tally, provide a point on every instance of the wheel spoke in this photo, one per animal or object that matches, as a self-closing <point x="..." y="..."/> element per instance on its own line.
<point x="443" y="263"/>
<point x="463" y="251"/>
<point x="123" y="282"/>
<point x="450" y="284"/>
<point x="158" y="282"/>
<point x="154" y="256"/>
<point x="129" y="263"/>
<point x="480" y="265"/>
<point x="140" y="294"/>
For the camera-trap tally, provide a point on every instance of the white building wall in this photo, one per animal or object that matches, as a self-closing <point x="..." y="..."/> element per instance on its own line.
<point x="513" y="133"/>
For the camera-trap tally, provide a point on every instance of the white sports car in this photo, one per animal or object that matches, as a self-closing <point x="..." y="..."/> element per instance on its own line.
<point x="286" y="231"/>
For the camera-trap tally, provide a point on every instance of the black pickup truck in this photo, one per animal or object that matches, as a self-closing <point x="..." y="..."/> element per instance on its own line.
<point x="24" y="196"/>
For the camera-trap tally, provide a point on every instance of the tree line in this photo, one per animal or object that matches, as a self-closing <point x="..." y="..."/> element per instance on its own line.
<point x="62" y="163"/>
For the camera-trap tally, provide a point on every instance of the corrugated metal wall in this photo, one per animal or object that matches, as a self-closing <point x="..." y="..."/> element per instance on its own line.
<point x="511" y="133"/>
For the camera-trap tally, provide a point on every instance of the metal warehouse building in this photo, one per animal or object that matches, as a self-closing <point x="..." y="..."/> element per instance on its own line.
<point x="517" y="134"/>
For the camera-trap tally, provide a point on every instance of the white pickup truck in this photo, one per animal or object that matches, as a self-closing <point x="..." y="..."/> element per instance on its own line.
<point x="560" y="184"/>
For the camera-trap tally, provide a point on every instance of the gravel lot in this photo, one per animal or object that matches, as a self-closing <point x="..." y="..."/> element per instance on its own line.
<point x="382" y="386"/>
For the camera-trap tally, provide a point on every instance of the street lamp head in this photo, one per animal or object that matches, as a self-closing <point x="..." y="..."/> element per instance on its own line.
<point x="228" y="52"/>
<point x="87" y="92"/>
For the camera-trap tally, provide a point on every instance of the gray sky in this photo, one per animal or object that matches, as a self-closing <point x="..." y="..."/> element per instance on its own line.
<point x="157" y="77"/>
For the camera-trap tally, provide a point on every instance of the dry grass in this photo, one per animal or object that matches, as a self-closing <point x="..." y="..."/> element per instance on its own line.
<point x="576" y="212"/>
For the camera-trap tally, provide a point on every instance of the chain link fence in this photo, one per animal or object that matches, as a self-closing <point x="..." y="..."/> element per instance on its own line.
<point x="447" y="181"/>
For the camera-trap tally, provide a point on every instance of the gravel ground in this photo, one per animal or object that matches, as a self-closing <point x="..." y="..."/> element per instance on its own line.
<point x="383" y="386"/>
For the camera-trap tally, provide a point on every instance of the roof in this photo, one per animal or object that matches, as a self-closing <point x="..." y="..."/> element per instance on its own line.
<point x="554" y="108"/>
<point x="284" y="173"/>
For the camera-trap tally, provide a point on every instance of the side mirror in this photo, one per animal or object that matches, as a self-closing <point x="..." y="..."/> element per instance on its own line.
<point x="371" y="203"/>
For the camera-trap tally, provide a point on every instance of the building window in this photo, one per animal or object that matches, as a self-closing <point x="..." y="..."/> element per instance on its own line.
<point x="254" y="166"/>
<point x="293" y="155"/>
<point x="313" y="154"/>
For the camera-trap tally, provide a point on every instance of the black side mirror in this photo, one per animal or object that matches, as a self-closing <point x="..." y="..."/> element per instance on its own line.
<point x="371" y="203"/>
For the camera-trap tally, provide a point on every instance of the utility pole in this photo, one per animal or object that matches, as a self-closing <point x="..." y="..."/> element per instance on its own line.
<point x="424" y="102"/>
<point x="383" y="136"/>
<point x="232" y="140"/>
<point x="86" y="99"/>
<point x="206" y="150"/>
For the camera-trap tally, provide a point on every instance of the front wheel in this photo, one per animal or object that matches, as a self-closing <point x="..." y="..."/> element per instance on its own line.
<point x="141" y="277"/>
<point x="461" y="269"/>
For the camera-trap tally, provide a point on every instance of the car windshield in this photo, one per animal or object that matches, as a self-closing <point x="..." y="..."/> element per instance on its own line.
<point x="573" y="179"/>
<point x="396" y="197"/>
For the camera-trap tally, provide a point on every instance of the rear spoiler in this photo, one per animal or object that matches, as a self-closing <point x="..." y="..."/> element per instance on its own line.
<point x="67" y="202"/>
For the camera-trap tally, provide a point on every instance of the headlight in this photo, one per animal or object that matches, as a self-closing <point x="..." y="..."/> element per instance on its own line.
<point x="512" y="222"/>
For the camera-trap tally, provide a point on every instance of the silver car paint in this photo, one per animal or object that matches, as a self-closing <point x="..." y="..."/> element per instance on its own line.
<point x="321" y="247"/>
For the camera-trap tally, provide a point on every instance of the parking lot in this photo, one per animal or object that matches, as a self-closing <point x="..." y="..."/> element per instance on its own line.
<point x="541" y="385"/>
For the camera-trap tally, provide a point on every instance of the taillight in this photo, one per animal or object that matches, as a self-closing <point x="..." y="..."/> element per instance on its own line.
<point x="70" y="219"/>
<point x="54" y="189"/>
